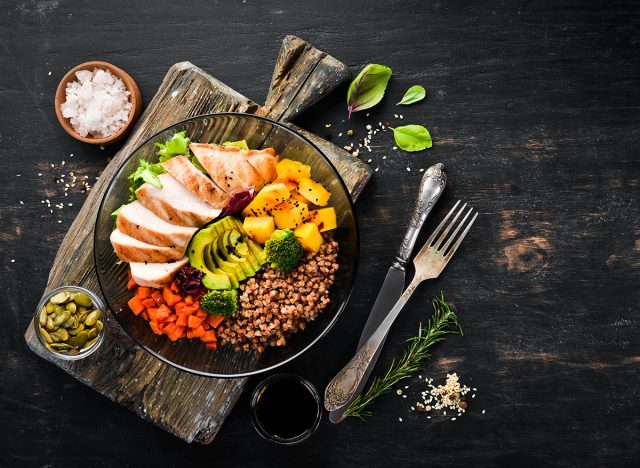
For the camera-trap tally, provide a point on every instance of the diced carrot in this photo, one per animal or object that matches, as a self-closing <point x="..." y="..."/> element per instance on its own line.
<point x="131" y="284"/>
<point x="214" y="320"/>
<point x="190" y="334"/>
<point x="201" y="313"/>
<point x="157" y="296"/>
<point x="213" y="345"/>
<point x="189" y="300"/>
<point x="149" y="302"/>
<point x="163" y="313"/>
<point x="197" y="332"/>
<point x="174" y="288"/>
<point x="208" y="336"/>
<point x="145" y="315"/>
<point x="171" y="318"/>
<point x="155" y="328"/>
<point x="182" y="320"/>
<point x="194" y="321"/>
<point x="169" y="297"/>
<point x="179" y="332"/>
<point x="168" y="327"/>
<point x="153" y="311"/>
<point x="206" y="326"/>
<point x="136" y="305"/>
<point x="143" y="292"/>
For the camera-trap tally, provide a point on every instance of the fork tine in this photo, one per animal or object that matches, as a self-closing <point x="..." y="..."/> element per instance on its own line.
<point x="451" y="238"/>
<point x="438" y="244"/>
<point x="444" y="221"/>
<point x="459" y="241"/>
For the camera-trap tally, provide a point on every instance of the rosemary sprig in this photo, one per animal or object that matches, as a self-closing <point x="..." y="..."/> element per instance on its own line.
<point x="443" y="322"/>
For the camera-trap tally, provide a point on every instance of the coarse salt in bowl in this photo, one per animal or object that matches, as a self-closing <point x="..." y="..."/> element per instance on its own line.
<point x="97" y="102"/>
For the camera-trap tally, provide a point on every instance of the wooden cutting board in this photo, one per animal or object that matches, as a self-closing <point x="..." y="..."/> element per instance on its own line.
<point x="120" y="369"/>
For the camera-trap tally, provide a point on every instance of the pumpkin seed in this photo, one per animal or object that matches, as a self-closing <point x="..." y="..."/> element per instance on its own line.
<point x="58" y="308"/>
<point x="89" y="343"/>
<point x="49" y="325"/>
<point x="61" y="317"/>
<point x="71" y="306"/>
<point x="92" y="318"/>
<point x="92" y="333"/>
<point x="50" y="307"/>
<point x="99" y="325"/>
<point x="83" y="316"/>
<point x="61" y="298"/>
<point x="73" y="351"/>
<point x="55" y="337"/>
<point x="77" y="329"/>
<point x="63" y="334"/>
<point x="60" y="346"/>
<point x="82" y="299"/>
<point x="79" y="340"/>
<point x="43" y="317"/>
<point x="47" y="338"/>
<point x="50" y="348"/>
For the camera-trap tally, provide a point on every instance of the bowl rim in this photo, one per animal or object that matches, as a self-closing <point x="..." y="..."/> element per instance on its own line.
<point x="356" y="255"/>
<point x="97" y="302"/>
<point x="135" y="98"/>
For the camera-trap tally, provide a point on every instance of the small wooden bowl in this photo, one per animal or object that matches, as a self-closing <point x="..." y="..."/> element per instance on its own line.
<point x="135" y="98"/>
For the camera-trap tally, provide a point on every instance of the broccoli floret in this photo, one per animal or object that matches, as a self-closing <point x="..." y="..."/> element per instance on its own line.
<point x="220" y="302"/>
<point x="283" y="250"/>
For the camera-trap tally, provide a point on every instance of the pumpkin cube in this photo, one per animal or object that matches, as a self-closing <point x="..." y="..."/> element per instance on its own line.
<point x="291" y="175"/>
<point x="259" y="207"/>
<point x="295" y="195"/>
<point x="275" y="192"/>
<point x="314" y="192"/>
<point x="296" y="166"/>
<point x="290" y="214"/>
<point x="259" y="228"/>
<point x="309" y="236"/>
<point x="324" y="218"/>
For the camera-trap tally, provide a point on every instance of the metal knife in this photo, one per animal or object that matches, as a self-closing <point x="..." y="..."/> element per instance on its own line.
<point x="431" y="187"/>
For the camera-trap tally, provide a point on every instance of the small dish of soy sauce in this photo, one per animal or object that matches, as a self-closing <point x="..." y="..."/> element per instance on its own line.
<point x="285" y="409"/>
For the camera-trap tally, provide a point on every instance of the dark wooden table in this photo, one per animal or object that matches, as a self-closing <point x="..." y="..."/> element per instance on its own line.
<point x="534" y="108"/>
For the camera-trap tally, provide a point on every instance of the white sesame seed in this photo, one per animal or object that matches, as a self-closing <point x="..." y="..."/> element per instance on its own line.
<point x="384" y="157"/>
<point x="404" y="396"/>
<point x="59" y="221"/>
<point x="39" y="174"/>
<point x="473" y="396"/>
<point x="327" y="125"/>
<point x="428" y="417"/>
<point x="49" y="73"/>
<point x="63" y="163"/>
<point x="408" y="169"/>
<point x="400" y="419"/>
<point x="395" y="148"/>
<point x="453" y="419"/>
<point x="367" y="114"/>
<point x="369" y="160"/>
<point x="421" y="170"/>
<point x="21" y="202"/>
<point x="412" y="408"/>
<point x="401" y="116"/>
<point x="406" y="386"/>
<point x="340" y="134"/>
<point x="69" y="204"/>
<point x="377" y="169"/>
<point x="13" y="261"/>
<point x="53" y="165"/>
<point x="71" y="155"/>
<point x="395" y="115"/>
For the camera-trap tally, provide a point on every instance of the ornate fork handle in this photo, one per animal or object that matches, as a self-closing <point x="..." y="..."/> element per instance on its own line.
<point x="431" y="187"/>
<point x="352" y="378"/>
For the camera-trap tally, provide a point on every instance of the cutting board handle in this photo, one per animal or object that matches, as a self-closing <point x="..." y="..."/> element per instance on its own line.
<point x="303" y="75"/>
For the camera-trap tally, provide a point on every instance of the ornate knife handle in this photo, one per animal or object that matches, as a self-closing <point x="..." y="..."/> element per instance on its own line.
<point x="431" y="187"/>
<point x="351" y="380"/>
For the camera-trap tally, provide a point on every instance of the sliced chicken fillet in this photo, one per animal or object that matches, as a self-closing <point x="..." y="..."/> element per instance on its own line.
<point x="175" y="203"/>
<point x="219" y="169"/>
<point x="234" y="161"/>
<point x="156" y="275"/>
<point x="194" y="180"/>
<point x="129" y="249"/>
<point x="264" y="161"/>
<point x="141" y="223"/>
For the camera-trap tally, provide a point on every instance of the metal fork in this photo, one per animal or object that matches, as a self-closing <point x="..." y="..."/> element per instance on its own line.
<point x="429" y="263"/>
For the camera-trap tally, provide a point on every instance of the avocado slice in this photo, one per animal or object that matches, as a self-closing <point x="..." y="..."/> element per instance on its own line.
<point x="235" y="281"/>
<point x="241" y="249"/>
<point x="211" y="279"/>
<point x="226" y="266"/>
<point x="254" y="248"/>
<point x="226" y="249"/>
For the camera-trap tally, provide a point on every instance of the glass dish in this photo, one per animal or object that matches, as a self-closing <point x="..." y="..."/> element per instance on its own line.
<point x="97" y="303"/>
<point x="191" y="355"/>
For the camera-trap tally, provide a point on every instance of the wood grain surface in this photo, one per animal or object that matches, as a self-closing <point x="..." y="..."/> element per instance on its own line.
<point x="188" y="406"/>
<point x="534" y="109"/>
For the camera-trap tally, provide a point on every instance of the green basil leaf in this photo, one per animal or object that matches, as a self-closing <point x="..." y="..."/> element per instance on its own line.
<point x="367" y="89"/>
<point x="414" y="94"/>
<point x="412" y="137"/>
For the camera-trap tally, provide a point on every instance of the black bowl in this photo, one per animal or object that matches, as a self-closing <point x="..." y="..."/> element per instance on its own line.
<point x="191" y="355"/>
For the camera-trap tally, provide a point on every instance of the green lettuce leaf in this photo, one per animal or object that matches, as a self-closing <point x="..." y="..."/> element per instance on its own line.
<point x="242" y="144"/>
<point x="178" y="145"/>
<point x="146" y="172"/>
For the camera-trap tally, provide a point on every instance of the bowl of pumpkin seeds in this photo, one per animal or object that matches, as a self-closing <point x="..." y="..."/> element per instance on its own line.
<point x="71" y="322"/>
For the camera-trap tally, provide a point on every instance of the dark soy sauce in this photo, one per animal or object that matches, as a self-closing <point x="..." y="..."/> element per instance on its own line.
<point x="286" y="408"/>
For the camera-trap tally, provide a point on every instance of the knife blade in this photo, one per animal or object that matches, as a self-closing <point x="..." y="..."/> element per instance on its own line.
<point x="431" y="187"/>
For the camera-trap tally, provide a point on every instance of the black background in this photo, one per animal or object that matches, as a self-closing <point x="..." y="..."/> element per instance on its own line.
<point x="534" y="108"/>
